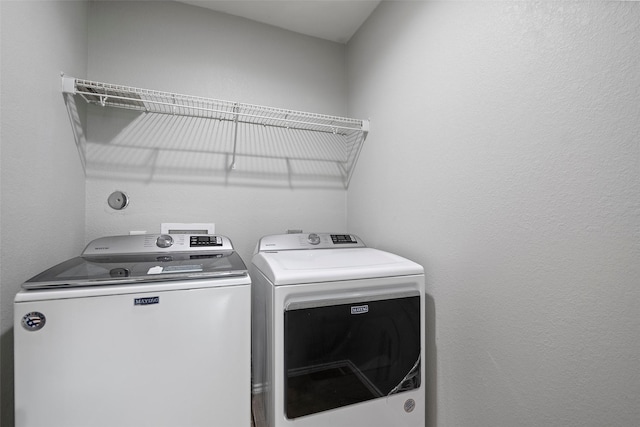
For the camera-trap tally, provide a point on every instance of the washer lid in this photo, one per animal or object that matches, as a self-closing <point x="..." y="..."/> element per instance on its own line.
<point x="324" y="265"/>
<point x="123" y="269"/>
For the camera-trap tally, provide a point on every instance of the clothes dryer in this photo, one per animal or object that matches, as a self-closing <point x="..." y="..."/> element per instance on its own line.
<point x="338" y="334"/>
<point x="147" y="330"/>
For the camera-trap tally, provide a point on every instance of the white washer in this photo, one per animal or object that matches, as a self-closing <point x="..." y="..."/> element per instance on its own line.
<point x="148" y="330"/>
<point x="338" y="334"/>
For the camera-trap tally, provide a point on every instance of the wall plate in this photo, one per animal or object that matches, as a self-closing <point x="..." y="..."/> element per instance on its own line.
<point x="118" y="200"/>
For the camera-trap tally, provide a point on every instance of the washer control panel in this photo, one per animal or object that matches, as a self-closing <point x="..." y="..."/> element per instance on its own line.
<point x="157" y="243"/>
<point x="284" y="242"/>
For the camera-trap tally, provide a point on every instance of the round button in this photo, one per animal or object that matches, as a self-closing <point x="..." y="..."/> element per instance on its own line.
<point x="409" y="405"/>
<point x="314" y="239"/>
<point x="164" y="241"/>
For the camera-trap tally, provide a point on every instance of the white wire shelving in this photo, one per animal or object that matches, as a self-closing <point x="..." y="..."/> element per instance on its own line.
<point x="351" y="132"/>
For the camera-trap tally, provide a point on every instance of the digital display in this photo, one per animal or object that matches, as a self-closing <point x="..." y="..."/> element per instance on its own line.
<point x="205" y="241"/>
<point x="342" y="238"/>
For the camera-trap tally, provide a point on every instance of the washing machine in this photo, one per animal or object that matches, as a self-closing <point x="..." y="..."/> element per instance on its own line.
<point x="145" y="330"/>
<point x="337" y="334"/>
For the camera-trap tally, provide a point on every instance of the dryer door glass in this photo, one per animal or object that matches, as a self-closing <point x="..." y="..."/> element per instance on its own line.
<point x="349" y="352"/>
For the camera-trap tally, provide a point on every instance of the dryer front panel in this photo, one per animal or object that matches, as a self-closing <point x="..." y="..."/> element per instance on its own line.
<point x="347" y="353"/>
<point x="350" y="351"/>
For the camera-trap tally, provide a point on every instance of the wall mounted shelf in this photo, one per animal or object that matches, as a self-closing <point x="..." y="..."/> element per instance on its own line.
<point x="347" y="133"/>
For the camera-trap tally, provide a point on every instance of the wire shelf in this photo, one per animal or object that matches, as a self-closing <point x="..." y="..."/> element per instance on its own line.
<point x="352" y="131"/>
<point x="112" y="95"/>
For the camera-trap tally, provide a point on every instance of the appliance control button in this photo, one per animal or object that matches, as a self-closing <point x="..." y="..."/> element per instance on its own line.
<point x="164" y="241"/>
<point x="314" y="239"/>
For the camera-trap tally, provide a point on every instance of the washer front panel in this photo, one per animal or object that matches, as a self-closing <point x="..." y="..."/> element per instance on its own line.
<point x="160" y="358"/>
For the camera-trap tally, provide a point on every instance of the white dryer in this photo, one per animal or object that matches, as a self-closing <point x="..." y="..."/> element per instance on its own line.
<point x="337" y="334"/>
<point x="149" y="330"/>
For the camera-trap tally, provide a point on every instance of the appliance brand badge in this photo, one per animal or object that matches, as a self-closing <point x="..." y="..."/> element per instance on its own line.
<point x="146" y="301"/>
<point x="33" y="321"/>
<point x="360" y="309"/>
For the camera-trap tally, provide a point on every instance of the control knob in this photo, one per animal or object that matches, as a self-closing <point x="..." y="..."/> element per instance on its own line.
<point x="164" y="241"/>
<point x="314" y="239"/>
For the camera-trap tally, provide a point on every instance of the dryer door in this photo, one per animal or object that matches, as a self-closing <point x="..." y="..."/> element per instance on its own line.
<point x="349" y="351"/>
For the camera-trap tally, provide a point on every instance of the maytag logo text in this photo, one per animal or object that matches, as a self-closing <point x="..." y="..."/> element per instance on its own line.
<point x="146" y="301"/>
<point x="359" y="309"/>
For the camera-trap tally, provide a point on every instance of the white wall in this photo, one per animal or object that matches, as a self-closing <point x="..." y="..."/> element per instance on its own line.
<point x="184" y="49"/>
<point x="504" y="156"/>
<point x="43" y="192"/>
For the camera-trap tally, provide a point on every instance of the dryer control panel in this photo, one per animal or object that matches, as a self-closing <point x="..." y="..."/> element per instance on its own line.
<point x="284" y="242"/>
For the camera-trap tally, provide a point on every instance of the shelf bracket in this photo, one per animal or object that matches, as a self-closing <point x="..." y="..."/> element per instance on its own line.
<point x="68" y="90"/>
<point x="236" y="110"/>
<point x="68" y="84"/>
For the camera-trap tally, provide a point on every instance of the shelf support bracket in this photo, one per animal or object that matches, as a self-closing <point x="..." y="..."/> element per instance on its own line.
<point x="68" y="84"/>
<point x="68" y="91"/>
<point x="236" y="110"/>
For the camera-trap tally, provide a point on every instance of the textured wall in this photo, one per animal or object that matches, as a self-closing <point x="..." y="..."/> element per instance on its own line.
<point x="43" y="196"/>
<point x="504" y="157"/>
